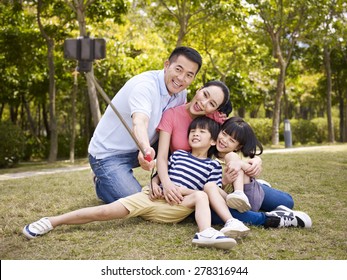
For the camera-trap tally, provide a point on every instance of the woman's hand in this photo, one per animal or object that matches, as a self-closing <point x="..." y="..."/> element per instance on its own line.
<point x="155" y="191"/>
<point x="230" y="174"/>
<point x="172" y="194"/>
<point x="255" y="167"/>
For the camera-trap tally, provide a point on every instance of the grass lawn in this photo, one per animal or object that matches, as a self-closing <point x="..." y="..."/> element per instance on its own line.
<point x="316" y="179"/>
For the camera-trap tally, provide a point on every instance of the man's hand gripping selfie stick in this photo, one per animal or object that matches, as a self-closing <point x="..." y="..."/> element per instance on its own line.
<point x="147" y="157"/>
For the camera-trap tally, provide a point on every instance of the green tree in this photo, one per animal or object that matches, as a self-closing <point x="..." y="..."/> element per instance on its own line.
<point x="53" y="151"/>
<point x="283" y="21"/>
<point x="97" y="11"/>
<point x="329" y="19"/>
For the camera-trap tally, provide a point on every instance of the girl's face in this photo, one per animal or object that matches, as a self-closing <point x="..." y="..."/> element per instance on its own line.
<point x="226" y="143"/>
<point x="206" y="101"/>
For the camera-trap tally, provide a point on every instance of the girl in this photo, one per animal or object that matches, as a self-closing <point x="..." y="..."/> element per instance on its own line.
<point x="235" y="140"/>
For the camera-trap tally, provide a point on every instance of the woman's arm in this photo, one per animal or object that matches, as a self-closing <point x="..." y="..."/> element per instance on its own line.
<point x="255" y="167"/>
<point x="171" y="192"/>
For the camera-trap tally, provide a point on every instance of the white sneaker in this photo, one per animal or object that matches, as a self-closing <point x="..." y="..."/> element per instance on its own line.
<point x="37" y="228"/>
<point x="283" y="216"/>
<point x="213" y="238"/>
<point x="239" y="201"/>
<point x="235" y="228"/>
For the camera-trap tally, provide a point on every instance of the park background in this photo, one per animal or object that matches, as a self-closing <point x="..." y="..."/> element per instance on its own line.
<point x="282" y="60"/>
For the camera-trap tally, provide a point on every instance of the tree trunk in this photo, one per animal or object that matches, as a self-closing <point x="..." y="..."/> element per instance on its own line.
<point x="93" y="101"/>
<point x="53" y="150"/>
<point x="2" y="106"/>
<point x="13" y="113"/>
<point x="327" y="65"/>
<point x="53" y="137"/>
<point x="343" y="114"/>
<point x="282" y="65"/>
<point x="79" y="7"/>
<point x="73" y="119"/>
<point x="31" y="121"/>
<point x="277" y="108"/>
<point x="241" y="112"/>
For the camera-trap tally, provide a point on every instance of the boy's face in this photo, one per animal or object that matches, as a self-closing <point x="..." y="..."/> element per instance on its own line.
<point x="179" y="74"/>
<point x="200" y="138"/>
<point x="226" y="143"/>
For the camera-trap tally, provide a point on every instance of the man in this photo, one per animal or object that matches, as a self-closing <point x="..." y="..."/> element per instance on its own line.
<point x="141" y="101"/>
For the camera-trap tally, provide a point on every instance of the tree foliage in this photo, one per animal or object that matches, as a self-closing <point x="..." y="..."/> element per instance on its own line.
<point x="270" y="53"/>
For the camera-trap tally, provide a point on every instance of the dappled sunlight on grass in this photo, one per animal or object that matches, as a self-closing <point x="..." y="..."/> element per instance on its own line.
<point x="315" y="179"/>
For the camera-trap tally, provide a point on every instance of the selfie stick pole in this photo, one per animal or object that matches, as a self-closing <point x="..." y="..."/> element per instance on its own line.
<point x="147" y="157"/>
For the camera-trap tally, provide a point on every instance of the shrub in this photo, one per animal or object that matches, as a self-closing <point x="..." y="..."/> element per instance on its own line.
<point x="12" y="144"/>
<point x="262" y="128"/>
<point x="35" y="148"/>
<point x="322" y="129"/>
<point x="303" y="131"/>
<point x="81" y="146"/>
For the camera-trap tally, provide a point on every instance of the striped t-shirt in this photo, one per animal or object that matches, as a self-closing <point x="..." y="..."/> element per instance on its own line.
<point x="185" y="170"/>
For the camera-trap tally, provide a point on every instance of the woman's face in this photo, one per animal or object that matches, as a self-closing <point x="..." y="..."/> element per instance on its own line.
<point x="226" y="143"/>
<point x="206" y="101"/>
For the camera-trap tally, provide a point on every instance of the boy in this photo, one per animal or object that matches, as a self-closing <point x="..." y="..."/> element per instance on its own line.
<point x="191" y="171"/>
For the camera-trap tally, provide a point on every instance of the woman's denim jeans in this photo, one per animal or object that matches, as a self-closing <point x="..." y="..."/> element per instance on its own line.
<point x="272" y="199"/>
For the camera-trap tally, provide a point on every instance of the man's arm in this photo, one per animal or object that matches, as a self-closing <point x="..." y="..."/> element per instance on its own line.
<point x="140" y="126"/>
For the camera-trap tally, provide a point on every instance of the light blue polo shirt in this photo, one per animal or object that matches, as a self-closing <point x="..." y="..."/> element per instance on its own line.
<point x="145" y="93"/>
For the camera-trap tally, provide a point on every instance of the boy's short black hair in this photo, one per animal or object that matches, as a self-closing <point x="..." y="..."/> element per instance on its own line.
<point x="189" y="53"/>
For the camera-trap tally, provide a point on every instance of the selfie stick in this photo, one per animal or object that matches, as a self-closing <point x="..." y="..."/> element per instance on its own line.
<point x="147" y="157"/>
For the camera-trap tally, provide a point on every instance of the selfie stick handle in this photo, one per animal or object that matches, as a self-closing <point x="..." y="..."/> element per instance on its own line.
<point x="147" y="157"/>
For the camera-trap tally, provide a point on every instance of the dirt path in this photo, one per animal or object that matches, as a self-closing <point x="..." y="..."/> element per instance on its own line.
<point x="26" y="174"/>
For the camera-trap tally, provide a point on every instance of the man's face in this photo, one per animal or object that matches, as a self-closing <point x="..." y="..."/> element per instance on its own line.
<point x="179" y="74"/>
